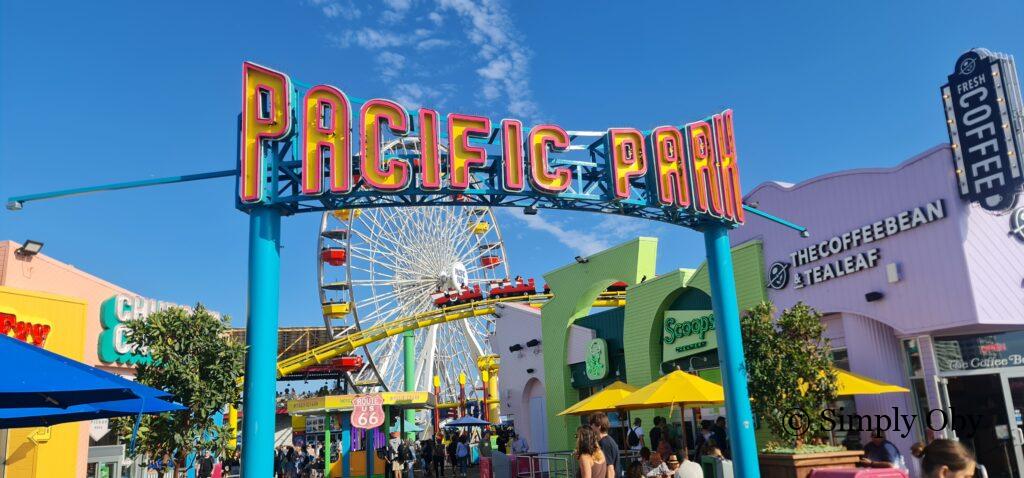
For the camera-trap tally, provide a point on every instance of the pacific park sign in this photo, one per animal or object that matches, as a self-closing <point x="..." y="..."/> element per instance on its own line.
<point x="312" y="148"/>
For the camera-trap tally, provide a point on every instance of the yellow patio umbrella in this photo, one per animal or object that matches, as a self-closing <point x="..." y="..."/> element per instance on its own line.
<point x="675" y="388"/>
<point x="603" y="401"/>
<point x="849" y="383"/>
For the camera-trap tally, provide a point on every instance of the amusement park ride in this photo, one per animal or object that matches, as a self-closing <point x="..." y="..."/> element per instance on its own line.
<point x="408" y="245"/>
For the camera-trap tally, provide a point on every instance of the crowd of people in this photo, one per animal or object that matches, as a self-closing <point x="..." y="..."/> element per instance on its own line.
<point x="449" y="453"/>
<point x="299" y="461"/>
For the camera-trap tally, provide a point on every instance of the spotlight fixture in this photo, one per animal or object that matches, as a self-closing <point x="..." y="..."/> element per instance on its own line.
<point x="873" y="296"/>
<point x="805" y="233"/>
<point x="533" y="343"/>
<point x="754" y="204"/>
<point x="515" y="347"/>
<point x="530" y="210"/>
<point x="582" y="260"/>
<point x="29" y="248"/>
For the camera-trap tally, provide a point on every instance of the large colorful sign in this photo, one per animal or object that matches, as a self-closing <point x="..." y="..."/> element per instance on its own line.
<point x="316" y="148"/>
<point x="983" y="107"/>
<point x="115" y="312"/>
<point x="687" y="332"/>
<point x="779" y="273"/>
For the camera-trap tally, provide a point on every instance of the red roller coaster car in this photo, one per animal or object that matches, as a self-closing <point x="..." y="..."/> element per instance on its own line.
<point x="454" y="297"/>
<point x="513" y="288"/>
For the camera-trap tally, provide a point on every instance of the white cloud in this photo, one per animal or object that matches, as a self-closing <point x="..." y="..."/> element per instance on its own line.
<point x="415" y="95"/>
<point x="390" y="65"/>
<point x="436" y="18"/>
<point x="598" y="236"/>
<point x="431" y="43"/>
<point x="333" y="9"/>
<point x="580" y="242"/>
<point x="506" y="71"/>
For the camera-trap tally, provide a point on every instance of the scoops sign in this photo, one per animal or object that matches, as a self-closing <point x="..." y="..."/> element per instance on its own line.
<point x="367" y="411"/>
<point x="983" y="106"/>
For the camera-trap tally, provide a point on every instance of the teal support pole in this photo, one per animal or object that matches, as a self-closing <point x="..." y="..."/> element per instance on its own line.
<point x="261" y="339"/>
<point x="409" y="364"/>
<point x="327" y="444"/>
<point x="730" y="352"/>
<point x="346" y="446"/>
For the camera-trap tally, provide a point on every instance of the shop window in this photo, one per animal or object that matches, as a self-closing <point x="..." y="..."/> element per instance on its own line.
<point x="912" y="355"/>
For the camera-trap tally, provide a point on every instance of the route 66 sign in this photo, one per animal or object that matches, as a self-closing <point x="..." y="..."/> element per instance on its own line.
<point x="367" y="411"/>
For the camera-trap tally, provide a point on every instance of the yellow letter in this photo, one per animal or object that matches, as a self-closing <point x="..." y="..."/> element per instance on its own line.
<point x="707" y="182"/>
<point x="383" y="175"/>
<point x="626" y="155"/>
<point x="325" y="135"/>
<point x="730" y="173"/>
<point x="670" y="166"/>
<point x="512" y="179"/>
<point x="430" y="153"/>
<point x="461" y="156"/>
<point x="266" y="114"/>
<point x="542" y="136"/>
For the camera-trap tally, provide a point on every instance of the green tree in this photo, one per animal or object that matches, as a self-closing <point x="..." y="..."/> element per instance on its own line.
<point x="789" y="366"/>
<point x="195" y="360"/>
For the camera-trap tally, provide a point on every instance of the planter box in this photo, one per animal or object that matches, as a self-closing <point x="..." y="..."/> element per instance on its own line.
<point x="799" y="466"/>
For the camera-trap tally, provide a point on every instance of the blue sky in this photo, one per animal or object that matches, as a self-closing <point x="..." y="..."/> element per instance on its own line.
<point x="95" y="92"/>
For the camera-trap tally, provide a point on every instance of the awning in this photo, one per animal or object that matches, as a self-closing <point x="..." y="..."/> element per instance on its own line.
<point x="44" y="417"/>
<point x="39" y="378"/>
<point x="604" y="401"/>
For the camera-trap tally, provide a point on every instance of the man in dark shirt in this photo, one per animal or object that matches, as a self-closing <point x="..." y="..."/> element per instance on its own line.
<point x="880" y="453"/>
<point x="599" y="422"/>
<point x="205" y="468"/>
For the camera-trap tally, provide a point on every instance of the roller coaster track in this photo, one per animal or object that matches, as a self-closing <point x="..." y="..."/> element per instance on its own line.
<point x="360" y="338"/>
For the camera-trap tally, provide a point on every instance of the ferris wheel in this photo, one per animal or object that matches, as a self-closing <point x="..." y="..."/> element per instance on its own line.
<point x="381" y="264"/>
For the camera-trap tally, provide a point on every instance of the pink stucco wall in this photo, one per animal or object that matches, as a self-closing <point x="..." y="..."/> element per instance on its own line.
<point x="517" y="325"/>
<point x="41" y="273"/>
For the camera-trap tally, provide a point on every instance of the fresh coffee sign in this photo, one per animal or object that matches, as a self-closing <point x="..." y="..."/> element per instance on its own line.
<point x="982" y="101"/>
<point x="688" y="332"/>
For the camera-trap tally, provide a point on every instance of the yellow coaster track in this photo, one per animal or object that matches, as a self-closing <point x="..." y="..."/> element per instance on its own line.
<point x="357" y="339"/>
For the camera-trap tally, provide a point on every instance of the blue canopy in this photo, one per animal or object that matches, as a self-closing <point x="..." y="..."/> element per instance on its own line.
<point x="45" y="379"/>
<point x="468" y="421"/>
<point x="44" y="417"/>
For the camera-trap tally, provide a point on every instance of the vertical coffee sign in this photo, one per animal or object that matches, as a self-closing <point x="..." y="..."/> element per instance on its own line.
<point x="983" y="108"/>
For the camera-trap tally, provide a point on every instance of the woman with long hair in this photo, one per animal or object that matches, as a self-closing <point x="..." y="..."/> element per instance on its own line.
<point x="945" y="459"/>
<point x="588" y="452"/>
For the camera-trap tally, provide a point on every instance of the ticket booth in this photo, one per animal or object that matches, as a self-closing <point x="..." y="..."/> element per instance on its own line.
<point x="341" y="421"/>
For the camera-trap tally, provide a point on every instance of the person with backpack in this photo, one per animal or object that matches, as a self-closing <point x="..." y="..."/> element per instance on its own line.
<point x="635" y="438"/>
<point x="407" y="456"/>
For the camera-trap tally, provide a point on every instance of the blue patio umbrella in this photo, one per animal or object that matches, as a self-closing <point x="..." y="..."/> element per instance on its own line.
<point x="47" y="416"/>
<point x="468" y="421"/>
<point x="45" y="379"/>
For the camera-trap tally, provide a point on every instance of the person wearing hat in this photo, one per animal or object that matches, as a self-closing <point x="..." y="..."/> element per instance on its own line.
<point x="684" y="469"/>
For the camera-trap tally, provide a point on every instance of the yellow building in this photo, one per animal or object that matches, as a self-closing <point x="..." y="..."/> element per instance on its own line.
<point x="57" y="451"/>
